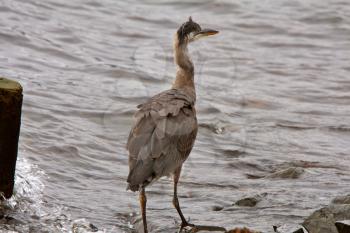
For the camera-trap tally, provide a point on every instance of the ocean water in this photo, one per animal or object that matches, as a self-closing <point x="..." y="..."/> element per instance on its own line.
<point x="273" y="93"/>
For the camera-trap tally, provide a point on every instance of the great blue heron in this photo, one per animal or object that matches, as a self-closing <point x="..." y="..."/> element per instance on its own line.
<point x="165" y="126"/>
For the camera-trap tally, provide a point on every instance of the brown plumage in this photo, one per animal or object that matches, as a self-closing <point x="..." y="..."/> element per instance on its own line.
<point x="165" y="126"/>
<point x="162" y="137"/>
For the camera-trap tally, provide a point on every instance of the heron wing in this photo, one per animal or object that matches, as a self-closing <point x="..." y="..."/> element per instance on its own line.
<point x="162" y="136"/>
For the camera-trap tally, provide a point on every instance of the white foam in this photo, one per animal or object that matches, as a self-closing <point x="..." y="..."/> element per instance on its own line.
<point x="28" y="188"/>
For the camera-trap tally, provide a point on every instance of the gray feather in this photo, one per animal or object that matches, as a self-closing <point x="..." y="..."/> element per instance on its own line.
<point x="162" y="136"/>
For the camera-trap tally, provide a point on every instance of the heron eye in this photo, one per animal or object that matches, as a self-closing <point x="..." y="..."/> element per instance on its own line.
<point x="191" y="35"/>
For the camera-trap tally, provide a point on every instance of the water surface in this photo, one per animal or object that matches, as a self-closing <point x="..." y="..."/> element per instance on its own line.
<point x="273" y="92"/>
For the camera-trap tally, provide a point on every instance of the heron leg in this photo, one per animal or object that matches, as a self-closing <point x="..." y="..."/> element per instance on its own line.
<point x="143" y="201"/>
<point x="176" y="200"/>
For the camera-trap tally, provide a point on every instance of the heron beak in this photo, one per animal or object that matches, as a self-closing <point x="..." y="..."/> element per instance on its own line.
<point x="204" y="33"/>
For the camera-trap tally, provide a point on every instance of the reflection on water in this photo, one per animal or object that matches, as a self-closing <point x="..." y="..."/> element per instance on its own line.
<point x="272" y="89"/>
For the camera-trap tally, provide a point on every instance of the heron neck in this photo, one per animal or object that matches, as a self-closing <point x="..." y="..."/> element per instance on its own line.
<point x="185" y="69"/>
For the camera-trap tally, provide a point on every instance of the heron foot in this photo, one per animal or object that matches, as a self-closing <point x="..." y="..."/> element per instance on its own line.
<point x="184" y="225"/>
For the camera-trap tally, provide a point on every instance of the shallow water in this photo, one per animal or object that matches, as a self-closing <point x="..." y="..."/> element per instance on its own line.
<point x="272" y="90"/>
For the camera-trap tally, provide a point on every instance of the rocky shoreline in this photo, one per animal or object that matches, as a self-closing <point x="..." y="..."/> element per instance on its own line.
<point x="334" y="218"/>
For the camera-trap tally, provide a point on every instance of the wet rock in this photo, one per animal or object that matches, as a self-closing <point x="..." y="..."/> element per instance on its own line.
<point x="215" y="128"/>
<point x="300" y="230"/>
<point x="340" y="212"/>
<point x="289" y="173"/>
<point x="93" y="227"/>
<point x="5" y="219"/>
<point x="287" y="228"/>
<point x="343" y="226"/>
<point x="37" y="229"/>
<point x="323" y="220"/>
<point x="254" y="176"/>
<point x="248" y="201"/>
<point x="217" y="208"/>
<point x="83" y="226"/>
<point x="232" y="153"/>
<point x="342" y="200"/>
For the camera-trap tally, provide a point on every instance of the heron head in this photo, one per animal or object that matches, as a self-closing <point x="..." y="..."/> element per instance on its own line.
<point x="191" y="31"/>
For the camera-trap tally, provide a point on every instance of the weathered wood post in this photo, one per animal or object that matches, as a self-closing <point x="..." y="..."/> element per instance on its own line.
<point x="10" y="121"/>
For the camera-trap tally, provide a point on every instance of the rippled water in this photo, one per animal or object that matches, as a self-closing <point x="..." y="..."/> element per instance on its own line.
<point x="273" y="92"/>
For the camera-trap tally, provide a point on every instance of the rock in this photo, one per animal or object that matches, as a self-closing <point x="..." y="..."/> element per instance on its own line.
<point x="300" y="230"/>
<point x="340" y="212"/>
<point x="323" y="220"/>
<point x="343" y="226"/>
<point x="83" y="226"/>
<point x="36" y="228"/>
<point x="289" y="173"/>
<point x="248" y="201"/>
<point x="10" y="120"/>
<point x="215" y="128"/>
<point x="342" y="200"/>
<point x="254" y="176"/>
<point x="8" y="220"/>
<point x="231" y="153"/>
<point x="287" y="228"/>
<point x="217" y="208"/>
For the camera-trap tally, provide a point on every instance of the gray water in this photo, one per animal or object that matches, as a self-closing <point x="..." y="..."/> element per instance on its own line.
<point x="273" y="92"/>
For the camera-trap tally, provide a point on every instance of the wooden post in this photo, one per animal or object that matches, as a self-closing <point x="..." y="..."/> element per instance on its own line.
<point x="10" y="121"/>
